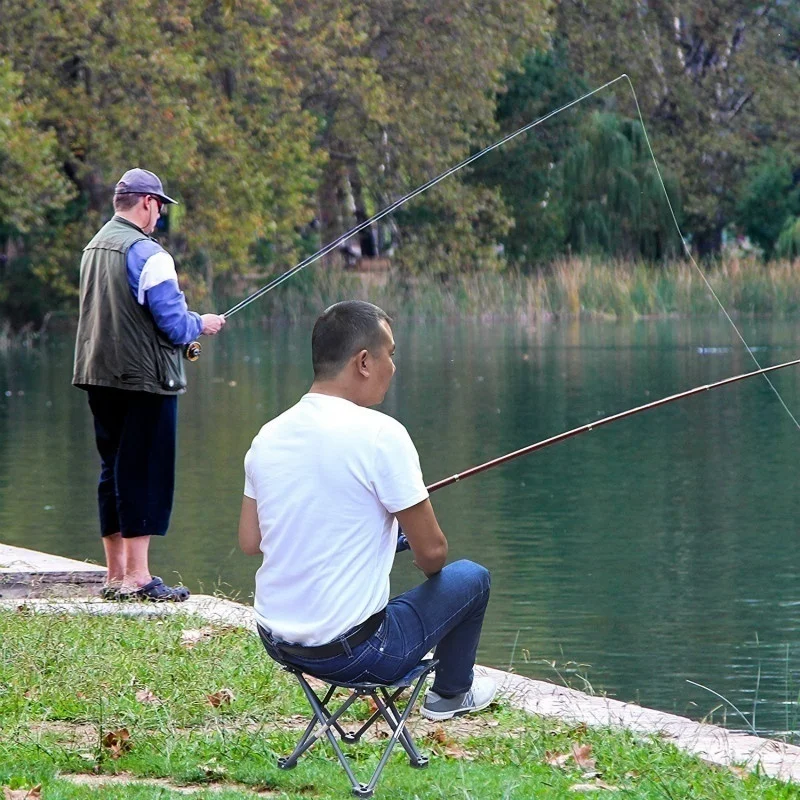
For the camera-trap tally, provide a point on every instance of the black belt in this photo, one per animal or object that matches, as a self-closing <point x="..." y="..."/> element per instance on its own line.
<point x="337" y="646"/>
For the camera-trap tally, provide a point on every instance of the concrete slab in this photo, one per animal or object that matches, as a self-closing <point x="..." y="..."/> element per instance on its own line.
<point x="29" y="573"/>
<point x="709" y="742"/>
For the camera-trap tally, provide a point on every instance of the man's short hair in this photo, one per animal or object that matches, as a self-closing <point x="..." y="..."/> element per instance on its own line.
<point x="343" y="330"/>
<point x="125" y="202"/>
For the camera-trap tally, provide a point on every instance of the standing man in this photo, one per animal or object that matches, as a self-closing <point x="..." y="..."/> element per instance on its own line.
<point x="326" y="483"/>
<point x="128" y="357"/>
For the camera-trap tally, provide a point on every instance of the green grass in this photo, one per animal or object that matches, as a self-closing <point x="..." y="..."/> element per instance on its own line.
<point x="66" y="681"/>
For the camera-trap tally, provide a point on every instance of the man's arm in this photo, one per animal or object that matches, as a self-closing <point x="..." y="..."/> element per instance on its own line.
<point x="154" y="283"/>
<point x="249" y="531"/>
<point x="428" y="543"/>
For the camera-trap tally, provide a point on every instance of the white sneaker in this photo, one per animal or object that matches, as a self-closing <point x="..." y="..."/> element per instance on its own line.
<point x="480" y="695"/>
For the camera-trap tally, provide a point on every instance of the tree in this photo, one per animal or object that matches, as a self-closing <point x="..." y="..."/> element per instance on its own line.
<point x="194" y="95"/>
<point x="713" y="86"/>
<point x="582" y="181"/>
<point x="768" y="199"/>
<point x="402" y="89"/>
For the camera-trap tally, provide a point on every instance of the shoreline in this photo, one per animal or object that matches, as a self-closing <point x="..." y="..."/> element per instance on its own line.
<point x="711" y="743"/>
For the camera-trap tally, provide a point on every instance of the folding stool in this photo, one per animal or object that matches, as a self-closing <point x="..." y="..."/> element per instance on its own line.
<point x="386" y="709"/>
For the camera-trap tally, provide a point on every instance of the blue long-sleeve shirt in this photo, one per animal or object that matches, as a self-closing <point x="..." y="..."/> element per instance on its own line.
<point x="154" y="283"/>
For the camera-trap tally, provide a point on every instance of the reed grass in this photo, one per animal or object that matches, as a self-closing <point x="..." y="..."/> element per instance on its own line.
<point x="572" y="287"/>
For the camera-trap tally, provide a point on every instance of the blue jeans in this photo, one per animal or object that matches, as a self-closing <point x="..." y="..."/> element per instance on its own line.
<point x="445" y="612"/>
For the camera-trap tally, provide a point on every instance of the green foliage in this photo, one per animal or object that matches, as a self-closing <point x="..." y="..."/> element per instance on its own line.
<point x="788" y="244"/>
<point x="768" y="198"/>
<point x="527" y="170"/>
<point x="613" y="198"/>
<point x="281" y="125"/>
<point x="31" y="184"/>
<point x="583" y="181"/>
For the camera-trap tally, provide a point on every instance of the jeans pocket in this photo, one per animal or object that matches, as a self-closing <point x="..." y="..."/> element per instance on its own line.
<point x="337" y="668"/>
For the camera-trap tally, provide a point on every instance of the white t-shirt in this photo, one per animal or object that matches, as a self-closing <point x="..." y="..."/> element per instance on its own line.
<point x="328" y="476"/>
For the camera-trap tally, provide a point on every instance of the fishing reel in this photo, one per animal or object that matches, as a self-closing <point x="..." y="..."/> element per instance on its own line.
<point x="192" y="351"/>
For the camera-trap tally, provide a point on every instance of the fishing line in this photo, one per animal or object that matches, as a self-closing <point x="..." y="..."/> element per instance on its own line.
<point x="306" y="262"/>
<point x="193" y="350"/>
<point x="692" y="259"/>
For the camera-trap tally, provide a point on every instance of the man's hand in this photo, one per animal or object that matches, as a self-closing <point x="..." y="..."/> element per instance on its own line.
<point x="212" y="324"/>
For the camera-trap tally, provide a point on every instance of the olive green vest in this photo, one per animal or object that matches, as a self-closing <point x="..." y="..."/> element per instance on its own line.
<point x="118" y="343"/>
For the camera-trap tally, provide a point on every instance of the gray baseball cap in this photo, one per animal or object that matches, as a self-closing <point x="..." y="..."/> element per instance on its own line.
<point x="142" y="181"/>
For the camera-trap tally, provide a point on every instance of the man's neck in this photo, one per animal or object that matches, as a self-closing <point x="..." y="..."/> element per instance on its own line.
<point x="128" y="218"/>
<point x="334" y="389"/>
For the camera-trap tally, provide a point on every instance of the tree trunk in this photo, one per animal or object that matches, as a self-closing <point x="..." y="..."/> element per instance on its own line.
<point x="330" y="210"/>
<point x="708" y="242"/>
<point x="368" y="237"/>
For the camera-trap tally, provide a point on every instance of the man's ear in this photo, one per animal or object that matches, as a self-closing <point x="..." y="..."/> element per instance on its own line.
<point x="361" y="363"/>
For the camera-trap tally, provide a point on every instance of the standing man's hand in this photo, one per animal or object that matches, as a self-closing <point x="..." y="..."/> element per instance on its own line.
<point x="212" y="324"/>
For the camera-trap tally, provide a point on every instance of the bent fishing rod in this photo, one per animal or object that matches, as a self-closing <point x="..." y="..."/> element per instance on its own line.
<point x="496" y="462"/>
<point x="193" y="349"/>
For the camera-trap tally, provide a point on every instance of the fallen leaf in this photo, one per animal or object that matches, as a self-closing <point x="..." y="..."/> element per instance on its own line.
<point x="224" y="697"/>
<point x="456" y="751"/>
<point x="146" y="696"/>
<point x="581" y="729"/>
<point x="581" y="754"/>
<point x="118" y="742"/>
<point x="607" y="786"/>
<point x="372" y="705"/>
<point x="212" y="769"/>
<point x="739" y="772"/>
<point x="492" y="723"/>
<point x="556" y="759"/>
<point x="191" y="636"/>
<point x="22" y="794"/>
<point x="438" y="736"/>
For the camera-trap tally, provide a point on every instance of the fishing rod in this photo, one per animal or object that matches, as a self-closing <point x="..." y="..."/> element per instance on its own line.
<point x="496" y="462"/>
<point x="193" y="349"/>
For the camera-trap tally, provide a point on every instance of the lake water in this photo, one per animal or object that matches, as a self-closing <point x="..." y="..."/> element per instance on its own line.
<point x="658" y="550"/>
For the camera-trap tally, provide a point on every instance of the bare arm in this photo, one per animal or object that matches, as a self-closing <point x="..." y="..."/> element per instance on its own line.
<point x="249" y="532"/>
<point x="428" y="543"/>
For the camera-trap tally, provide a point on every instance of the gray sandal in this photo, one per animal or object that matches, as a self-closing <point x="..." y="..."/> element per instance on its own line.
<point x="158" y="592"/>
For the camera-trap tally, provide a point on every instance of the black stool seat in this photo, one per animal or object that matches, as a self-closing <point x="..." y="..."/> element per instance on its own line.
<point x="385" y="697"/>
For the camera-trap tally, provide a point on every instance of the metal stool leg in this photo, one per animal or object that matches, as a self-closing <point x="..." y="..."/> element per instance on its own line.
<point x="415" y="758"/>
<point x="322" y="717"/>
<point x="386" y="708"/>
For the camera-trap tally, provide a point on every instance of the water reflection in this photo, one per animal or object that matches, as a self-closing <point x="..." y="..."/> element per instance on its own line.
<point x="655" y="550"/>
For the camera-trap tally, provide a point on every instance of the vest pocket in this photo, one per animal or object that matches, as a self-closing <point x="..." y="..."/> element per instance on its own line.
<point x="169" y="365"/>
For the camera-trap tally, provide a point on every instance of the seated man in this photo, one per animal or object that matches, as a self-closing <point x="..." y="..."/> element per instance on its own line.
<point x="326" y="483"/>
